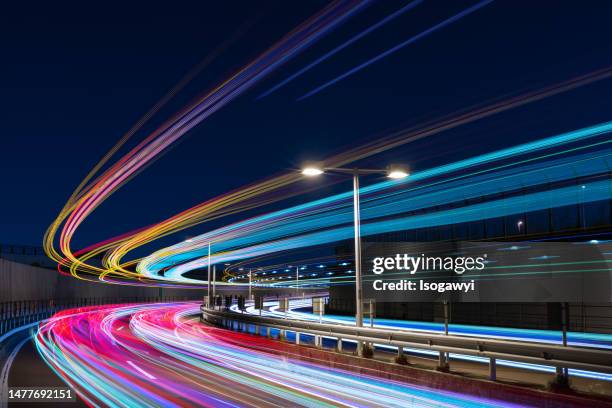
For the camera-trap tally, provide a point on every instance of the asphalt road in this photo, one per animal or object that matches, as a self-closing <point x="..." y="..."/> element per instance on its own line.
<point x="21" y="366"/>
<point x="28" y="370"/>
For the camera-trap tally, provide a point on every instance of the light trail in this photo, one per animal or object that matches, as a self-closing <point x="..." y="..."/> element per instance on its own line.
<point x="11" y="342"/>
<point x="339" y="272"/>
<point x="194" y="364"/>
<point x="598" y="191"/>
<point x="89" y="196"/>
<point x="398" y="47"/>
<point x="96" y="188"/>
<point x="342" y="46"/>
<point x="274" y="189"/>
<point x="327" y="220"/>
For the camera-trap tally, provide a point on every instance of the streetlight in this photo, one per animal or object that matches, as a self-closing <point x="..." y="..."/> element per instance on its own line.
<point x="311" y="171"/>
<point x="208" y="289"/>
<point x="393" y="172"/>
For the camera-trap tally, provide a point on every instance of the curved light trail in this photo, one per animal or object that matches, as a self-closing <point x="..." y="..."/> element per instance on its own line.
<point x="11" y="342"/>
<point x="160" y="355"/>
<point x="114" y="270"/>
<point x="89" y="196"/>
<point x="342" y="46"/>
<point x="398" y="47"/>
<point x="530" y="202"/>
<point x="513" y="170"/>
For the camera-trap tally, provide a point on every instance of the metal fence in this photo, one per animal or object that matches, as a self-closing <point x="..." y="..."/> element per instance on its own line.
<point x="20" y="313"/>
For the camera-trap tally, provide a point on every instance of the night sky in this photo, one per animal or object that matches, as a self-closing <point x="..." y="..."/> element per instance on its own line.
<point x="73" y="79"/>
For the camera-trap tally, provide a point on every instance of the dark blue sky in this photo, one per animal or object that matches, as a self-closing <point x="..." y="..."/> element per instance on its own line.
<point x="74" y="79"/>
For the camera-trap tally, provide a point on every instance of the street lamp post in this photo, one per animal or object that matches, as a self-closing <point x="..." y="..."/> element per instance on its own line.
<point x="357" y="230"/>
<point x="208" y="293"/>
<point x="394" y="172"/>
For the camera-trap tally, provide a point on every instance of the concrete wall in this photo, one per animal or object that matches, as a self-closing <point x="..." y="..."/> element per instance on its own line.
<point x="19" y="282"/>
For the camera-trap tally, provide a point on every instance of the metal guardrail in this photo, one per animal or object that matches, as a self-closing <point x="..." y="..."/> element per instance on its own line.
<point x="580" y="358"/>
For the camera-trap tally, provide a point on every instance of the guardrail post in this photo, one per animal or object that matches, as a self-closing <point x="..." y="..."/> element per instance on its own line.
<point x="339" y="345"/>
<point x="442" y="361"/>
<point x="297" y="337"/>
<point x="282" y="335"/>
<point x="268" y="331"/>
<point x="367" y="350"/>
<point x="492" y="369"/>
<point x="562" y="373"/>
<point x="401" y="357"/>
<point x="360" y="348"/>
<point x="561" y="378"/>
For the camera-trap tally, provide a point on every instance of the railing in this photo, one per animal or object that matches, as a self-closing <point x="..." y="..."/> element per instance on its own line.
<point x="20" y="313"/>
<point x="561" y="357"/>
<point x="21" y="250"/>
<point x="26" y="254"/>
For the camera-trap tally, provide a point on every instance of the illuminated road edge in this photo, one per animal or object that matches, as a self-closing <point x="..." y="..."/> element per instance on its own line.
<point x="160" y="355"/>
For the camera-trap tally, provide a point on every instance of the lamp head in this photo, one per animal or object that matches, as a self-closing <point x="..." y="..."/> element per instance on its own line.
<point x="312" y="169"/>
<point x="396" y="171"/>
